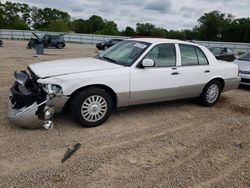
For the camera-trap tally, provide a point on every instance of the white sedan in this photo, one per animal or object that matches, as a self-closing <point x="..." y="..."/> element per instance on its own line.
<point x="135" y="71"/>
<point x="244" y="65"/>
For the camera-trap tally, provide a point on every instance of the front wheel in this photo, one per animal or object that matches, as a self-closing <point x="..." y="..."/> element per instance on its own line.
<point x="211" y="93"/>
<point x="91" y="107"/>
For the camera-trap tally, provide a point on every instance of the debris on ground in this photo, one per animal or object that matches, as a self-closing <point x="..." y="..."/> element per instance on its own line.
<point x="70" y="152"/>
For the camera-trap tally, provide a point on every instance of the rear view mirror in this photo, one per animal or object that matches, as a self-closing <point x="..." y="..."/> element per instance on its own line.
<point x="148" y="63"/>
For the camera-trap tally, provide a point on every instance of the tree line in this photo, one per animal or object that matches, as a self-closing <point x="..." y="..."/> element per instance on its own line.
<point x="212" y="26"/>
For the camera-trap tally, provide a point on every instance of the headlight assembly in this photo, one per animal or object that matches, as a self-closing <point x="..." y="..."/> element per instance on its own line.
<point x="57" y="89"/>
<point x="53" y="89"/>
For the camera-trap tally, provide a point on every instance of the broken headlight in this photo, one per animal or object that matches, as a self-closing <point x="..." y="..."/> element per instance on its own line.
<point x="53" y="89"/>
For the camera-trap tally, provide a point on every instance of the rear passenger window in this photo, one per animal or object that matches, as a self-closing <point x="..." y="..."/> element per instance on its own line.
<point x="192" y="55"/>
<point x="201" y="57"/>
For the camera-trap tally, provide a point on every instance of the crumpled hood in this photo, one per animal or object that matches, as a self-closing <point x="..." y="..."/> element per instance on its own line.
<point x="70" y="66"/>
<point x="243" y="65"/>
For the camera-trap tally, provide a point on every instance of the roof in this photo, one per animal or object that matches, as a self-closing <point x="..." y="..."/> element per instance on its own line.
<point x="162" y="40"/>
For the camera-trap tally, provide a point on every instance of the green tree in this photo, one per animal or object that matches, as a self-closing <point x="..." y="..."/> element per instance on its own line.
<point x="13" y="15"/>
<point x="159" y="32"/>
<point x="18" y="23"/>
<point x="129" y="31"/>
<point x="79" y="26"/>
<point x="25" y="11"/>
<point x="59" y="26"/>
<point x="110" y="28"/>
<point x="2" y="20"/>
<point x="95" y="23"/>
<point x="42" y="18"/>
<point x="175" y="35"/>
<point x="145" y="29"/>
<point x="212" y="24"/>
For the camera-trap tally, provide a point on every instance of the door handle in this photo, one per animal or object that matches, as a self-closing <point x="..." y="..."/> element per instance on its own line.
<point x="207" y="71"/>
<point x="175" y="73"/>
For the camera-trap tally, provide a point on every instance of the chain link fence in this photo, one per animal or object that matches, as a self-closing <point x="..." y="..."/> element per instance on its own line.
<point x="93" y="39"/>
<point x="68" y="37"/>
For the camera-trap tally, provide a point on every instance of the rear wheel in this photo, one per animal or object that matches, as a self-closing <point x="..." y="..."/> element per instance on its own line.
<point x="59" y="46"/>
<point x="91" y="107"/>
<point x="211" y="93"/>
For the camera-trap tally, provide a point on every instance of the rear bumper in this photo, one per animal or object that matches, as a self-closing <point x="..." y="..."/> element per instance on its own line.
<point x="232" y="83"/>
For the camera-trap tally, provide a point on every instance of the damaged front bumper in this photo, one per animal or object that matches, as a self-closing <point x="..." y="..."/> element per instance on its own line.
<point x="31" y="117"/>
<point x="29" y="105"/>
<point x="27" y="117"/>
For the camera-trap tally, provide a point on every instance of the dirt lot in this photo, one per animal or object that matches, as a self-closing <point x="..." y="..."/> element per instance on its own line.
<point x="172" y="144"/>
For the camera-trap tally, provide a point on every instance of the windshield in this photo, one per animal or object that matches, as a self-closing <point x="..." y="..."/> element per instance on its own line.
<point x="124" y="53"/>
<point x="245" y="57"/>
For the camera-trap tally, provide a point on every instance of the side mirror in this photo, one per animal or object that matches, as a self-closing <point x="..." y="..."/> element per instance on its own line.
<point x="148" y="63"/>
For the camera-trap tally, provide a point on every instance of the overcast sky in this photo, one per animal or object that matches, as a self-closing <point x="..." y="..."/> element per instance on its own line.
<point x="169" y="14"/>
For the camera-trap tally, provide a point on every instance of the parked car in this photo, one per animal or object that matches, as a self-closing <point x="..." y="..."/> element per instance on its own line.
<point x="107" y="44"/>
<point x="1" y="43"/>
<point x="56" y="41"/>
<point x="135" y="71"/>
<point x="244" y="68"/>
<point x="225" y="54"/>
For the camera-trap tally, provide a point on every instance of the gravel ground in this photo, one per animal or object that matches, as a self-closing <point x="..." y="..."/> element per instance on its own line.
<point x="172" y="144"/>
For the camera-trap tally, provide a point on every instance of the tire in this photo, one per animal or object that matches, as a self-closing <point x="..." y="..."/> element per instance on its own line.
<point x="29" y="46"/>
<point x="211" y="93"/>
<point x="59" y="46"/>
<point x="91" y="107"/>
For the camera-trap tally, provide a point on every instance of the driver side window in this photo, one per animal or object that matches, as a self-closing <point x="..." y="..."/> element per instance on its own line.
<point x="164" y="55"/>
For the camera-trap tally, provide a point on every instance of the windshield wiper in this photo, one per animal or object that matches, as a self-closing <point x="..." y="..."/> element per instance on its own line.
<point x="109" y="59"/>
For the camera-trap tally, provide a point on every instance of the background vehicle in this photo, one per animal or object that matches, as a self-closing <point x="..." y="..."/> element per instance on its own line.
<point x="107" y="44"/>
<point x="135" y="71"/>
<point x="1" y="42"/>
<point x="225" y="54"/>
<point x="48" y="41"/>
<point x="244" y="68"/>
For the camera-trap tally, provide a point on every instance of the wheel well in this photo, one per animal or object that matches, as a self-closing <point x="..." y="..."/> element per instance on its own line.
<point x="221" y="81"/>
<point x="104" y="87"/>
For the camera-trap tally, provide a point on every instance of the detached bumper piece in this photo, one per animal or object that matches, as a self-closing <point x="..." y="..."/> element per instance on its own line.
<point x="28" y="106"/>
<point x="28" y="117"/>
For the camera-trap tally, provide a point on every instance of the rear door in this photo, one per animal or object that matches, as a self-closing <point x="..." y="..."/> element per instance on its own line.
<point x="195" y="70"/>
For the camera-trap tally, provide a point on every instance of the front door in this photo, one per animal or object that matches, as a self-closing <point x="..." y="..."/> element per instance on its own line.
<point x="158" y="83"/>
